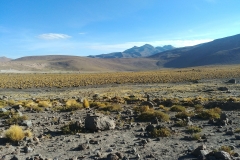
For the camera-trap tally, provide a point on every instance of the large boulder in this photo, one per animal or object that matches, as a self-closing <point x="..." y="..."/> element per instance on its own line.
<point x="99" y="122"/>
<point x="222" y="155"/>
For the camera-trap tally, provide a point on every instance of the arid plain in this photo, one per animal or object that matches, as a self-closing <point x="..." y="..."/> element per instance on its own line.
<point x="187" y="113"/>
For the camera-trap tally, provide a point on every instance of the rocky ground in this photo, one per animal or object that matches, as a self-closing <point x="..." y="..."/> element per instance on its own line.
<point x="121" y="134"/>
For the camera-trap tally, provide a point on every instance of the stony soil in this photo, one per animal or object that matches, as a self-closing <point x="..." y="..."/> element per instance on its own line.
<point x="128" y="138"/>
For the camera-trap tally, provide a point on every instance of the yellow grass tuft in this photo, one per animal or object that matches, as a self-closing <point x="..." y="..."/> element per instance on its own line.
<point x="14" y="133"/>
<point x="44" y="104"/>
<point x="86" y="103"/>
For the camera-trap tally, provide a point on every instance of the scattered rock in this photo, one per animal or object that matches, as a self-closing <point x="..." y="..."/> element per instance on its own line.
<point x="232" y="81"/>
<point x="198" y="150"/>
<point x="99" y="122"/>
<point x="222" y="88"/>
<point x="3" y="110"/>
<point x="27" y="123"/>
<point x="222" y="155"/>
<point x="83" y="146"/>
<point x="28" y="149"/>
<point x="112" y="156"/>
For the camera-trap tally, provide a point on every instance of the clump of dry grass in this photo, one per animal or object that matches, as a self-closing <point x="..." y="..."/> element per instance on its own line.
<point x="71" y="128"/>
<point x="226" y="149"/>
<point x="141" y="109"/>
<point x="44" y="104"/>
<point x="198" y="108"/>
<point x="30" y="105"/>
<point x="184" y="115"/>
<point x="85" y="103"/>
<point x="14" y="133"/>
<point x="16" y="119"/>
<point x="196" y="136"/>
<point x="181" y="124"/>
<point x="151" y="114"/>
<point x="213" y="113"/>
<point x="193" y="129"/>
<point x="177" y="108"/>
<point x="111" y="108"/>
<point x="237" y="130"/>
<point x="106" y="106"/>
<point x="3" y="103"/>
<point x="71" y="105"/>
<point x="161" y="132"/>
<point x="165" y="109"/>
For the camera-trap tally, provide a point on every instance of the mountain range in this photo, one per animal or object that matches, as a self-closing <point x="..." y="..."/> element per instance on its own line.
<point x="135" y="52"/>
<point x="223" y="51"/>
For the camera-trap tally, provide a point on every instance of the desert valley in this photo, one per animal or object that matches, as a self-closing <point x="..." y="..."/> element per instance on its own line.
<point x="146" y="102"/>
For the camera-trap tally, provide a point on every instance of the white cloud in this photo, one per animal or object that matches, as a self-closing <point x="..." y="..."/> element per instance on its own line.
<point x="123" y="46"/>
<point x="51" y="36"/>
<point x="82" y="33"/>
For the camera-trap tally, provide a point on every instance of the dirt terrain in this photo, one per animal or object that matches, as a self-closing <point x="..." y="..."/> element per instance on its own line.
<point x="127" y="134"/>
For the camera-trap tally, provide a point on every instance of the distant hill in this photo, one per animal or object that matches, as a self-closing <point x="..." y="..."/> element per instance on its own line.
<point x="4" y="59"/>
<point x="76" y="63"/>
<point x="135" y="52"/>
<point x="222" y="51"/>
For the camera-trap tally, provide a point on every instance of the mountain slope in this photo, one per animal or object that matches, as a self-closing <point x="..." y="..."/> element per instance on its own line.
<point x="220" y="51"/>
<point x="4" y="59"/>
<point x="76" y="63"/>
<point x="135" y="52"/>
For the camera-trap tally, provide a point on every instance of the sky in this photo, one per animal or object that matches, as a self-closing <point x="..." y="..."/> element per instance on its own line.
<point x="91" y="27"/>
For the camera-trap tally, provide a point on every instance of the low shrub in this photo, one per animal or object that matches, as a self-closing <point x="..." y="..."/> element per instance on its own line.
<point x="198" y="108"/>
<point x="44" y="104"/>
<point x="85" y="103"/>
<point x="4" y="114"/>
<point x="196" y="136"/>
<point x="193" y="129"/>
<point x="141" y="109"/>
<point x="98" y="104"/>
<point x="161" y="132"/>
<point x="14" y="133"/>
<point x="237" y="130"/>
<point x="111" y="108"/>
<point x="71" y="105"/>
<point x="165" y="109"/>
<point x="213" y="113"/>
<point x="181" y="124"/>
<point x="3" y="103"/>
<point x="31" y="105"/>
<point x="184" y="115"/>
<point x="72" y="128"/>
<point x="226" y="149"/>
<point x="16" y="119"/>
<point x="151" y="114"/>
<point x="177" y="108"/>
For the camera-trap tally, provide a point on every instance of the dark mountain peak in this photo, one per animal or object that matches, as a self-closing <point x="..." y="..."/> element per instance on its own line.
<point x="134" y="52"/>
<point x="168" y="47"/>
<point x="147" y="45"/>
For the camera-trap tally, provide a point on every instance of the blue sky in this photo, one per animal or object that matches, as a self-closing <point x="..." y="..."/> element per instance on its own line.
<point x="90" y="27"/>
